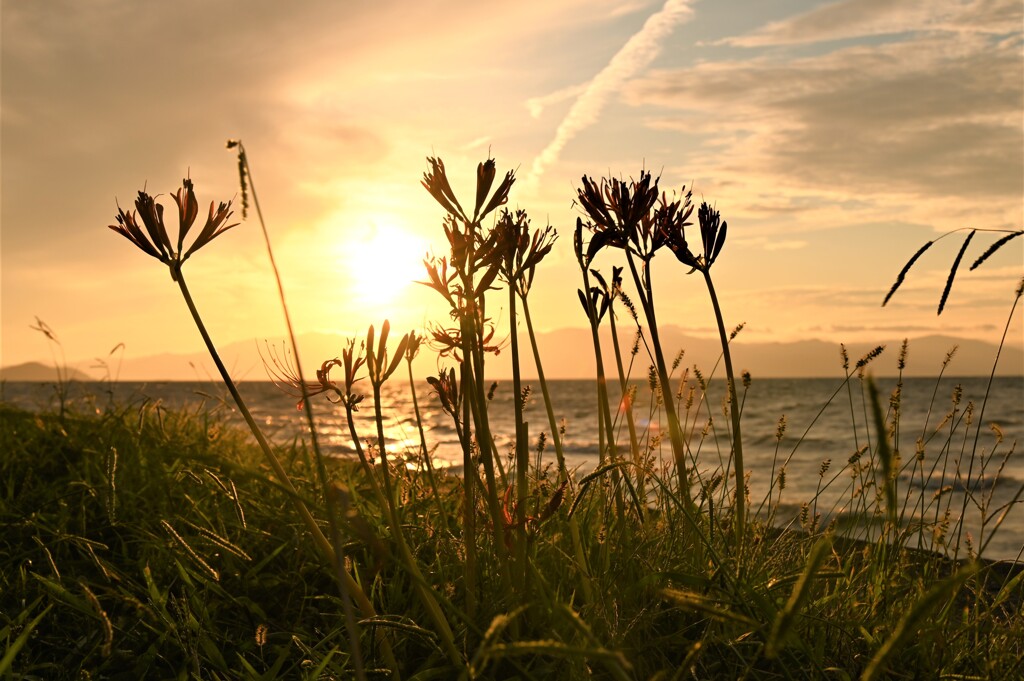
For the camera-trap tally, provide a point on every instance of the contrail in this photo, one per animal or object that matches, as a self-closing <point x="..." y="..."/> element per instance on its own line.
<point x="638" y="52"/>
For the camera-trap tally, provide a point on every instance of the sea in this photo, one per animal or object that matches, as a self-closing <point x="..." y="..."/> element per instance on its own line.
<point x="967" y="431"/>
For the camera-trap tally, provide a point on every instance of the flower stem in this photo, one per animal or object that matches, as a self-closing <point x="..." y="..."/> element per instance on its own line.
<point x="675" y="431"/>
<point x="425" y="591"/>
<point x="734" y="412"/>
<point x="319" y="539"/>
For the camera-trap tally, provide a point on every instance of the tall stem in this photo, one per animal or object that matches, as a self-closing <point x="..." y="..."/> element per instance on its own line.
<point x="469" y="486"/>
<point x="626" y="405"/>
<point x="350" y="622"/>
<point x="425" y="592"/>
<point x="604" y="415"/>
<point x="522" y="445"/>
<point x="734" y="412"/>
<point x="349" y="584"/>
<point x="474" y="391"/>
<point x="646" y="291"/>
<point x="423" y="448"/>
<point x="556" y="438"/>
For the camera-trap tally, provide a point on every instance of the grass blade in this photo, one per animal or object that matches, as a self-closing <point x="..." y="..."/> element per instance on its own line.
<point x="910" y="622"/>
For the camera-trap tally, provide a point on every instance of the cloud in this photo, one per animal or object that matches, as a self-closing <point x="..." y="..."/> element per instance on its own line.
<point x="536" y="105"/>
<point x="861" y="18"/>
<point x="923" y="129"/>
<point x="638" y="53"/>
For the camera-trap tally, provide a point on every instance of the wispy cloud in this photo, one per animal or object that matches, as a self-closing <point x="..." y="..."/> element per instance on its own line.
<point x="638" y="53"/>
<point x="861" y="18"/>
<point x="536" y="105"/>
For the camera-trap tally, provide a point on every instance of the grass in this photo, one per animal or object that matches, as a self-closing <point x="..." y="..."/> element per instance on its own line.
<point x="146" y="543"/>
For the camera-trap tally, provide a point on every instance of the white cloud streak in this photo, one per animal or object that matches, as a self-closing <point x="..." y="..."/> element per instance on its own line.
<point x="638" y="53"/>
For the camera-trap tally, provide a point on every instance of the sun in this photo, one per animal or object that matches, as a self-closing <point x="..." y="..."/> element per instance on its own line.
<point x="382" y="261"/>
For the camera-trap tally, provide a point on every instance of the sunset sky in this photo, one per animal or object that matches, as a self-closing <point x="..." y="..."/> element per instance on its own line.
<point x="835" y="138"/>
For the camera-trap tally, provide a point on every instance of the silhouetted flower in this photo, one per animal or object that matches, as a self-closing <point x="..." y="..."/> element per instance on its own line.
<point x="158" y="244"/>
<point x="712" y="233"/>
<point x="436" y="182"/>
<point x="447" y="341"/>
<point x="519" y="251"/>
<point x="284" y="375"/>
<point x="627" y="215"/>
<point x="377" y="364"/>
<point x="447" y="387"/>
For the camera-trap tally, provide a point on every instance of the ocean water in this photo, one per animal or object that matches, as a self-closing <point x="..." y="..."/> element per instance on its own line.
<point x="825" y="425"/>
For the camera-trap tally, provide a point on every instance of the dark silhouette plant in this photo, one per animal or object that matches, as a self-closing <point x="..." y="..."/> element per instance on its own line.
<point x="156" y="243"/>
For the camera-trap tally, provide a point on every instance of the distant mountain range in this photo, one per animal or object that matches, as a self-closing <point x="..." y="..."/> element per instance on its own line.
<point x="37" y="371"/>
<point x="567" y="353"/>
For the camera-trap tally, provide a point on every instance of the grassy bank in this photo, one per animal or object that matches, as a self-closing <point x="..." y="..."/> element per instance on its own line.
<point x="143" y="543"/>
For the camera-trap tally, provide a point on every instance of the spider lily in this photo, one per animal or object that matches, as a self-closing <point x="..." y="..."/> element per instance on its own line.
<point x="712" y="234"/>
<point x="519" y="250"/>
<point x="436" y="182"/>
<point x="155" y="241"/>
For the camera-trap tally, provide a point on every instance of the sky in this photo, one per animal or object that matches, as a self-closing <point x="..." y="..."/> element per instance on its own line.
<point x="834" y="137"/>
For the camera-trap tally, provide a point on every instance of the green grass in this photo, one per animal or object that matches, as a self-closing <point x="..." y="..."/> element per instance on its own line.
<point x="178" y="557"/>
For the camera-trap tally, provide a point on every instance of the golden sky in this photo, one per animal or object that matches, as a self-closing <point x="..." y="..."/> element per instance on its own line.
<point x="834" y="137"/>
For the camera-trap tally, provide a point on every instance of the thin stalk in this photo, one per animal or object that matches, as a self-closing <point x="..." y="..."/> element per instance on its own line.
<point x="563" y="473"/>
<point x="522" y="443"/>
<point x="349" y="584"/>
<point x="469" y="483"/>
<point x="423" y="447"/>
<point x="351" y="625"/>
<point x="367" y="469"/>
<point x="604" y="410"/>
<point x="473" y="391"/>
<point x="734" y="412"/>
<point x="556" y="438"/>
<point x="425" y="592"/>
<point x="626" y="404"/>
<point x="646" y="294"/>
<point x="275" y="464"/>
<point x="385" y="469"/>
<point x="981" y="413"/>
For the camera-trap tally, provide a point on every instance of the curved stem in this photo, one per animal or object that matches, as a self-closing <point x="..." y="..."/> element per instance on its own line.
<point x="626" y="406"/>
<point x="556" y="438"/>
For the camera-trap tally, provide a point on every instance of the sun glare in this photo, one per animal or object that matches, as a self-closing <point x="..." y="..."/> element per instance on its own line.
<point x="382" y="261"/>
